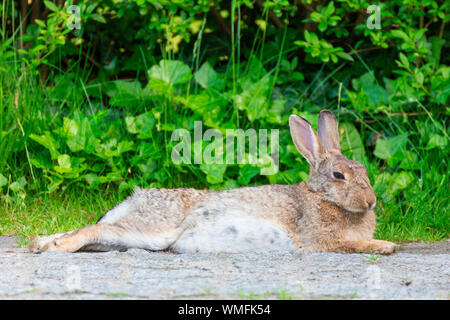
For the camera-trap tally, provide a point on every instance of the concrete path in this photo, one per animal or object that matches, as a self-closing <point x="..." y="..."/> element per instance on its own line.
<point x="417" y="271"/>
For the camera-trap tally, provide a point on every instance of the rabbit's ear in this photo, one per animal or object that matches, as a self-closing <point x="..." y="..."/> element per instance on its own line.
<point x="328" y="131"/>
<point x="306" y="139"/>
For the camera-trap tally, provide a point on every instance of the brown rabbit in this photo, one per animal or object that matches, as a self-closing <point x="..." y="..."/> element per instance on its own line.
<point x="333" y="211"/>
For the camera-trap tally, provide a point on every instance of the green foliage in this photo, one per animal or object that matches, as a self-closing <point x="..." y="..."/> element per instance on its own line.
<point x="94" y="109"/>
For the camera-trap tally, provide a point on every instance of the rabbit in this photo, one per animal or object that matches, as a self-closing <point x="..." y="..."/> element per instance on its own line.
<point x="332" y="212"/>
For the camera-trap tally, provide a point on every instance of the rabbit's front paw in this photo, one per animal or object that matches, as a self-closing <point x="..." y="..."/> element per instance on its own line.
<point x="385" y="247"/>
<point x="41" y="244"/>
<point x="38" y="244"/>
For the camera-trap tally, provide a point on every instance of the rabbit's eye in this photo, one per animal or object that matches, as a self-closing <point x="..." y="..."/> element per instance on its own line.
<point x="338" y="175"/>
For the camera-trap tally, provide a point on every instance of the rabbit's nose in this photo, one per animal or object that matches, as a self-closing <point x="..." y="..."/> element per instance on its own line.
<point x="371" y="204"/>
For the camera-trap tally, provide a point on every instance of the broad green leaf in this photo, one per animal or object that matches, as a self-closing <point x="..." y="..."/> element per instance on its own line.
<point x="400" y="181"/>
<point x="97" y="17"/>
<point x="254" y="99"/>
<point x="130" y="123"/>
<point x="388" y="148"/>
<point x="54" y="182"/>
<point x="39" y="23"/>
<point x="316" y="17"/>
<point x="50" y="5"/>
<point x="229" y="184"/>
<point x="141" y="125"/>
<point x="146" y="151"/>
<point x="350" y="141"/>
<point x="409" y="161"/>
<point x="307" y="36"/>
<point x="48" y="142"/>
<point x="64" y="164"/>
<point x="70" y="128"/>
<point x="85" y="138"/>
<point x="404" y="60"/>
<point x="381" y="183"/>
<point x="18" y="185"/>
<point x="3" y="180"/>
<point x="42" y="161"/>
<point x="102" y="127"/>
<point x="214" y="172"/>
<point x="436" y="141"/>
<point x="377" y="95"/>
<point x="111" y="176"/>
<point x="276" y="111"/>
<point x="345" y="56"/>
<point x="15" y="186"/>
<point x="107" y="150"/>
<point x="246" y="173"/>
<point x="65" y="89"/>
<point x="64" y="161"/>
<point x="207" y="77"/>
<point x="329" y="9"/>
<point x="256" y="72"/>
<point x="202" y="103"/>
<point x="147" y="168"/>
<point x="124" y="186"/>
<point x="364" y="81"/>
<point x="144" y="124"/>
<point x="159" y="86"/>
<point x="207" y="104"/>
<point x="172" y="72"/>
<point x="400" y="34"/>
<point x="125" y="146"/>
<point x="436" y="48"/>
<point x="419" y="34"/>
<point x="127" y="94"/>
<point x="92" y="179"/>
<point x="290" y="176"/>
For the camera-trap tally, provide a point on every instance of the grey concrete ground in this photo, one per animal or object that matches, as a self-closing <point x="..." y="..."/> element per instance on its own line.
<point x="417" y="271"/>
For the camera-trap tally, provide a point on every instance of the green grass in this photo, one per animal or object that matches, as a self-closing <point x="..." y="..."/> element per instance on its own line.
<point x="54" y="213"/>
<point x="373" y="258"/>
<point x="422" y="213"/>
<point x="117" y="295"/>
<point x="280" y="295"/>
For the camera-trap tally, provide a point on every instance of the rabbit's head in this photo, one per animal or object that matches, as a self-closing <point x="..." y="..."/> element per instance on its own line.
<point x="341" y="180"/>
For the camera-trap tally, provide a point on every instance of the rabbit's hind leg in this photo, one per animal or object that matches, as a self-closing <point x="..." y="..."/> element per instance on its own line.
<point x="105" y="237"/>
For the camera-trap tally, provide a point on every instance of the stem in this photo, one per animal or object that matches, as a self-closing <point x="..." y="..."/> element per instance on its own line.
<point x="441" y="31"/>
<point x="277" y="67"/>
<point x="233" y="60"/>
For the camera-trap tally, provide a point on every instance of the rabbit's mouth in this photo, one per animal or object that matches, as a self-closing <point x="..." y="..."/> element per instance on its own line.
<point x="351" y="204"/>
<point x="360" y="211"/>
<point x="369" y="206"/>
<point x="354" y="207"/>
<point x="358" y="202"/>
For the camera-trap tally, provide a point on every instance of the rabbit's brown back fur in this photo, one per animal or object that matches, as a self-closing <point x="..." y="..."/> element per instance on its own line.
<point x="158" y="210"/>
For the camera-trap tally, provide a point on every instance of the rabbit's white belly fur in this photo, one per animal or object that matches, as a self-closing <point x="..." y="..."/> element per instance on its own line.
<point x="234" y="233"/>
<point x="119" y="211"/>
